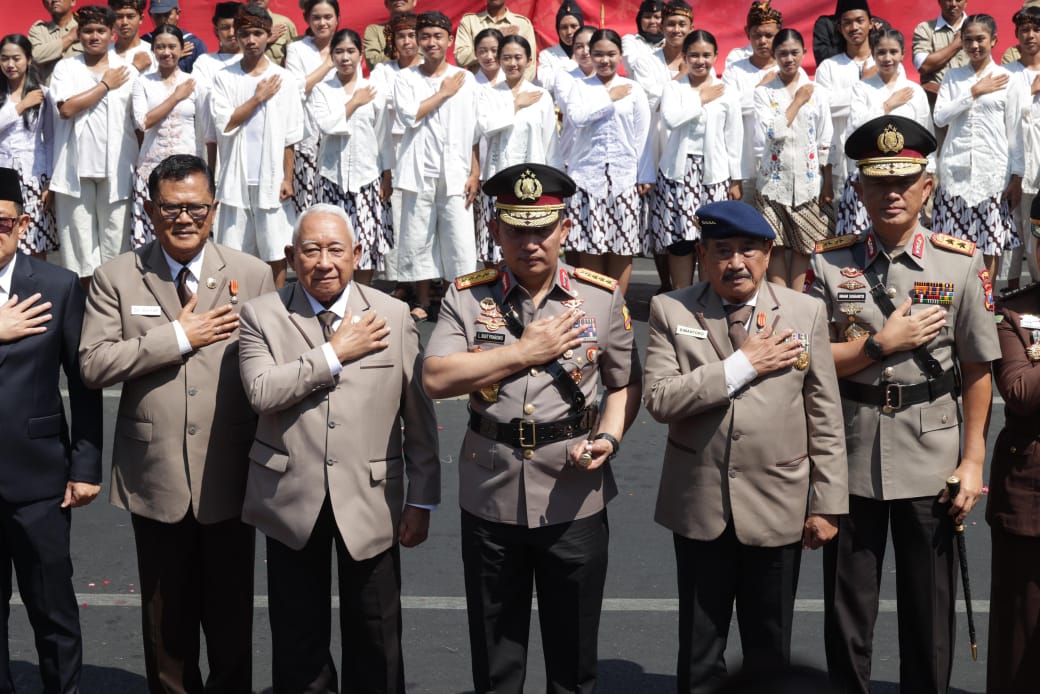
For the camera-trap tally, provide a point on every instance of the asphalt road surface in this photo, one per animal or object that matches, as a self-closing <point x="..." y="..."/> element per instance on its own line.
<point x="638" y="630"/>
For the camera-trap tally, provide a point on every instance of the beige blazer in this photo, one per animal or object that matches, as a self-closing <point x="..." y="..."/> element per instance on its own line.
<point x="762" y="458"/>
<point x="342" y="437"/>
<point x="184" y="426"/>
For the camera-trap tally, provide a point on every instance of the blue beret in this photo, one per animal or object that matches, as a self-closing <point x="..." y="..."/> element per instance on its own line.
<point x="726" y="218"/>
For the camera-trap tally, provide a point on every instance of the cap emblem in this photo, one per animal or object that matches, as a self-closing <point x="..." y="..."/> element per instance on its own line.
<point x="527" y="187"/>
<point x="890" y="141"/>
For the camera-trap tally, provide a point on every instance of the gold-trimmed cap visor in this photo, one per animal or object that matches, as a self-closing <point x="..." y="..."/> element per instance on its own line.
<point x="529" y="216"/>
<point x="892" y="166"/>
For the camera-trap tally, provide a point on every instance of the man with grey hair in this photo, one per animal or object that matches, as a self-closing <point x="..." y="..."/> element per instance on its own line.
<point x="306" y="353"/>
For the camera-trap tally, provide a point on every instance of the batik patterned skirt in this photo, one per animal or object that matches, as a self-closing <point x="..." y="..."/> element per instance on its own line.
<point x="141" y="228"/>
<point x="852" y="215"/>
<point x="42" y="234"/>
<point x="673" y="204"/>
<point x="797" y="228"/>
<point x="610" y="224"/>
<point x="989" y="225"/>
<point x="483" y="215"/>
<point x="305" y="177"/>
<point x="370" y="217"/>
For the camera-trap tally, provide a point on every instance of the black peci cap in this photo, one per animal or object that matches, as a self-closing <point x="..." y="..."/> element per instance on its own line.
<point x="10" y="186"/>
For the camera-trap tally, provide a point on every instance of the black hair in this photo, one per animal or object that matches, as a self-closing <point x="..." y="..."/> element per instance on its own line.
<point x="876" y="36"/>
<point x="311" y="4"/>
<point x="95" y="14"/>
<point x="225" y="10"/>
<point x="699" y="35"/>
<point x="514" y="38"/>
<point x="1027" y="16"/>
<point x="984" y="20"/>
<point x="171" y="30"/>
<point x="128" y="5"/>
<point x="349" y="35"/>
<point x="32" y="77"/>
<point x="178" y="167"/>
<point x="490" y="32"/>
<point x="787" y="34"/>
<point x="605" y="35"/>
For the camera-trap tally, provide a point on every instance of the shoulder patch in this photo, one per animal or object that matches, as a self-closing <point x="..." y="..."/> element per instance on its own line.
<point x="475" y="279"/>
<point x="596" y="278"/>
<point x="835" y="242"/>
<point x="952" y="243"/>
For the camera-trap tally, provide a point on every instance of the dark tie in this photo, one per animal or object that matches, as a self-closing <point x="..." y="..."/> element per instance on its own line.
<point x="326" y="318"/>
<point x="183" y="292"/>
<point x="737" y="316"/>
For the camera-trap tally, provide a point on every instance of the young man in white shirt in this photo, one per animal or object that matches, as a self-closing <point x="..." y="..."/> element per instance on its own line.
<point x="207" y="67"/>
<point x="128" y="44"/>
<point x="257" y="112"/>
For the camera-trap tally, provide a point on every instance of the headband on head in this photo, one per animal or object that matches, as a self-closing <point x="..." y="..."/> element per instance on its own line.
<point x="246" y="19"/>
<point x="396" y="24"/>
<point x="434" y="20"/>
<point x="677" y="8"/>
<point x="762" y="13"/>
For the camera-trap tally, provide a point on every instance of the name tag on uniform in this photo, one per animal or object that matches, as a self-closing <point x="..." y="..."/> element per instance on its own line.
<point x="1030" y="322"/>
<point x="858" y="297"/>
<point x="145" y="311"/>
<point x="491" y="337"/>
<point x="691" y="332"/>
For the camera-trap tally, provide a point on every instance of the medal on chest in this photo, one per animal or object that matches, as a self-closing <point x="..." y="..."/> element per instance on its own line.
<point x="935" y="293"/>
<point x="490" y="315"/>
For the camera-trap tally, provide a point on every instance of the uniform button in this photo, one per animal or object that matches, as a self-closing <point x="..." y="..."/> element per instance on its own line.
<point x="887" y="372"/>
<point x="568" y="354"/>
<point x="736" y="435"/>
<point x="192" y="430"/>
<point x="528" y="454"/>
<point x="528" y="408"/>
<point x="732" y="473"/>
<point x="580" y="361"/>
<point x="332" y="425"/>
<point x="945" y="419"/>
<point x="534" y="372"/>
<point x="892" y="292"/>
<point x="1013" y="449"/>
<point x="331" y="461"/>
<point x="192" y="391"/>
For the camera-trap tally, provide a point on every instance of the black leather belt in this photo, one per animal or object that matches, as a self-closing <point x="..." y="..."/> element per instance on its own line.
<point x="895" y="396"/>
<point x="523" y="433"/>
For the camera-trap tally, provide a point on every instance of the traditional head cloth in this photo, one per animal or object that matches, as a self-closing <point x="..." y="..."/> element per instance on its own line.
<point x="677" y="7"/>
<point x="890" y="146"/>
<point x="11" y="187"/>
<point x="572" y="9"/>
<point x="251" y="17"/>
<point x="407" y="20"/>
<point x="645" y="8"/>
<point x="844" y="6"/>
<point x="762" y="12"/>
<point x="530" y="195"/>
<point x="728" y="218"/>
<point x="434" y="19"/>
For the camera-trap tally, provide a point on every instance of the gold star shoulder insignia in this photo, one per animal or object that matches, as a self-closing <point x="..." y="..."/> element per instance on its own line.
<point x="952" y="243"/>
<point x="475" y="279"/>
<point x="835" y="242"/>
<point x="596" y="278"/>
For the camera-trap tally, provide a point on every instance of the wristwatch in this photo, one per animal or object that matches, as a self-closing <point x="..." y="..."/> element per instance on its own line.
<point x="613" y="442"/>
<point x="873" y="350"/>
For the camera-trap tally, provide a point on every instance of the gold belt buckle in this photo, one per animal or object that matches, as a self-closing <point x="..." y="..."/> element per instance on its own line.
<point x="890" y="406"/>
<point x="524" y="443"/>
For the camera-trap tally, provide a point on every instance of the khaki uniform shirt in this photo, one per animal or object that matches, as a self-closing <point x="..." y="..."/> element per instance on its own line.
<point x="276" y="49"/>
<point x="536" y="487"/>
<point x="45" y="38"/>
<point x="910" y="452"/>
<point x="928" y="39"/>
<point x="472" y="24"/>
<point x="373" y="44"/>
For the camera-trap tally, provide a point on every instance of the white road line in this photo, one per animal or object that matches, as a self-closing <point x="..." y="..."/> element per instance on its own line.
<point x="420" y="602"/>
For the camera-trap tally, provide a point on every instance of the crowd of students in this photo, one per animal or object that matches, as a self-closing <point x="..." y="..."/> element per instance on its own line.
<point x="387" y="128"/>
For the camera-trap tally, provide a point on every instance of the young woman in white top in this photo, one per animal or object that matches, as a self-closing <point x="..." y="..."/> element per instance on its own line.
<point x="648" y="37"/>
<point x="94" y="147"/>
<point x="531" y="136"/>
<point x="356" y="151"/>
<point x="309" y="59"/>
<point x="164" y="107"/>
<point x="486" y="44"/>
<point x="981" y="161"/>
<point x="403" y="54"/>
<point x="758" y="69"/>
<point x="556" y="60"/>
<point x="700" y="161"/>
<point x="887" y="92"/>
<point x="792" y="143"/>
<point x="26" y="134"/>
<point x="489" y="74"/>
<point x="1026" y="71"/>
<point x="613" y="169"/>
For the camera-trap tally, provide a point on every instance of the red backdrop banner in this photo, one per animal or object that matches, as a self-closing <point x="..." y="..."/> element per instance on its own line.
<point x="724" y="19"/>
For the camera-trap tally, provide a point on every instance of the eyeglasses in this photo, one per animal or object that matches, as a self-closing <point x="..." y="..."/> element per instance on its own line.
<point x="7" y="223"/>
<point x="196" y="210"/>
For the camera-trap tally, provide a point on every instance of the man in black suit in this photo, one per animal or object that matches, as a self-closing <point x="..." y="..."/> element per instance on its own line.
<point x="44" y="471"/>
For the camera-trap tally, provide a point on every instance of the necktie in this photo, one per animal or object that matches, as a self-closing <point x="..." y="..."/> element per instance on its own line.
<point x="326" y="318"/>
<point x="183" y="292"/>
<point x="738" y="315"/>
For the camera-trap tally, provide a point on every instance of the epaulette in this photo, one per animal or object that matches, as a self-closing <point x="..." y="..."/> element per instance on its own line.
<point x="835" y="242"/>
<point x="596" y="278"/>
<point x="475" y="279"/>
<point x="952" y="243"/>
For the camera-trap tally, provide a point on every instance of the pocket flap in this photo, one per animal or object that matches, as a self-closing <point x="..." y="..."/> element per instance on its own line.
<point x="365" y="364"/>
<point x="386" y="468"/>
<point x="45" y="427"/>
<point x="941" y="416"/>
<point x="269" y="457"/>
<point x="134" y="429"/>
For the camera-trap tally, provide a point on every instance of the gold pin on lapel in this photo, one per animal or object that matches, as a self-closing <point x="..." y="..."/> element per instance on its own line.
<point x="211" y="283"/>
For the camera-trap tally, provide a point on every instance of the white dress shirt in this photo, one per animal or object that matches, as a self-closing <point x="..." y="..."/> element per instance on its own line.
<point x="737" y="366"/>
<point x="983" y="146"/>
<point x="868" y="102"/>
<point x="837" y="75"/>
<point x="529" y="137"/>
<point x="191" y="282"/>
<point x="203" y="72"/>
<point x="303" y="57"/>
<point x="339" y="309"/>
<point x="1029" y="114"/>
<point x="715" y="130"/>
<point x="27" y="150"/>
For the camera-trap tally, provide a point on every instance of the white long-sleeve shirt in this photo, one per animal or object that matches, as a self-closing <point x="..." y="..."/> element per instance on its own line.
<point x="27" y="150"/>
<point x="634" y="47"/>
<point x="983" y="146"/>
<point x="356" y="150"/>
<point x="552" y="62"/>
<point x="1029" y="113"/>
<point x="177" y="133"/>
<point x="837" y="75"/>
<point x="868" y="102"/>
<point x="530" y="136"/>
<point x="283" y="127"/>
<point x="203" y="72"/>
<point x="714" y="130"/>
<point x="790" y="158"/>
<point x="610" y="132"/>
<point x="71" y="77"/>
<point x="301" y="59"/>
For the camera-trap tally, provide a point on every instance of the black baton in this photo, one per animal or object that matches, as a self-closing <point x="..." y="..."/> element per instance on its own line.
<point x="953" y="488"/>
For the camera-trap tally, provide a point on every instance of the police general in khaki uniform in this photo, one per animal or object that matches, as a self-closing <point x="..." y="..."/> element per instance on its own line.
<point x="900" y="378"/>
<point x="741" y="490"/>
<point x="531" y="344"/>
